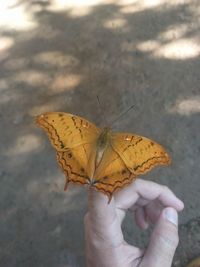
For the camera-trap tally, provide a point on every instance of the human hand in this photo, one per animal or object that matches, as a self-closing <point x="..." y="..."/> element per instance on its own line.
<point x="150" y="203"/>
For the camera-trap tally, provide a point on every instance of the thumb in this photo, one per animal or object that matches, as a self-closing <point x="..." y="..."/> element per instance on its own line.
<point x="163" y="241"/>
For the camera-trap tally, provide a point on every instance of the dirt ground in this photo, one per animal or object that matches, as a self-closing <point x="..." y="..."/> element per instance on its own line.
<point x="61" y="55"/>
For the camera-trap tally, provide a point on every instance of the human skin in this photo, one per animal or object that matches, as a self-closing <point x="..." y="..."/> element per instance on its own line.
<point x="150" y="203"/>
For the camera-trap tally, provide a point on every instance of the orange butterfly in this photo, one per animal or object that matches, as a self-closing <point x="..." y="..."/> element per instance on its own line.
<point x="99" y="157"/>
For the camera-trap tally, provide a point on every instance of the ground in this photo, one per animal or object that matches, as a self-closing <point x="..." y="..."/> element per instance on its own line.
<point x="61" y="55"/>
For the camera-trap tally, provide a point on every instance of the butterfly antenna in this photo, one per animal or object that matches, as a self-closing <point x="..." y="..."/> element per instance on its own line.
<point x="102" y="112"/>
<point x="122" y="114"/>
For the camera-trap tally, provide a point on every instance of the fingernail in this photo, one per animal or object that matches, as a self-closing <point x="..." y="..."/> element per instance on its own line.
<point x="171" y="215"/>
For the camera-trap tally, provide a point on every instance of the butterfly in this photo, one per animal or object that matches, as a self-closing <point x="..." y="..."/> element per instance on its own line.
<point x="101" y="158"/>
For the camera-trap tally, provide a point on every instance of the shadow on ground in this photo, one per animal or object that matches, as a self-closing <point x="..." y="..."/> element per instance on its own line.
<point x="126" y="55"/>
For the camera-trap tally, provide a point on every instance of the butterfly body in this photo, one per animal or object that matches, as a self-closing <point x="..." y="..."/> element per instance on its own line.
<point x="103" y="141"/>
<point x="99" y="157"/>
<point x="104" y="137"/>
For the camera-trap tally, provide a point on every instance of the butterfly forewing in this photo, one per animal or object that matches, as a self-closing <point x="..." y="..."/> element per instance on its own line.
<point x="67" y="130"/>
<point x="74" y="139"/>
<point x="139" y="154"/>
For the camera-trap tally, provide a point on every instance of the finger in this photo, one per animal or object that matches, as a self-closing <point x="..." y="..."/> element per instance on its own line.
<point x="153" y="211"/>
<point x="163" y="241"/>
<point x="149" y="191"/>
<point x="146" y="214"/>
<point x="140" y="218"/>
<point x="102" y="220"/>
<point x="99" y="208"/>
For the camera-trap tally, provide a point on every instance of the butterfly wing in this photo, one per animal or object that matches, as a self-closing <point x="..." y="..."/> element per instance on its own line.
<point x="74" y="139"/>
<point x="74" y="163"/>
<point x="139" y="154"/>
<point x="66" y="130"/>
<point x="112" y="173"/>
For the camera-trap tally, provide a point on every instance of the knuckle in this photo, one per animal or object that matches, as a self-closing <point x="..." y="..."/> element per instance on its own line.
<point x="165" y="188"/>
<point x="165" y="247"/>
<point x="137" y="183"/>
<point x="172" y="242"/>
<point x="169" y="241"/>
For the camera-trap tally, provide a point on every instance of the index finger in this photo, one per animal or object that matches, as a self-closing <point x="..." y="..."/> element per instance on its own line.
<point x="99" y="208"/>
<point x="149" y="191"/>
<point x="103" y="220"/>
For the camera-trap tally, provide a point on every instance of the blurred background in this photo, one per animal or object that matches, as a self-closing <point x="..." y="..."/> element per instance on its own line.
<point x="58" y="55"/>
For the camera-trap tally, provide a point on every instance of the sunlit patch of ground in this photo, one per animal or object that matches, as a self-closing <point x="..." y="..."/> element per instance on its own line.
<point x="186" y="106"/>
<point x="178" y="49"/>
<point x="65" y="82"/>
<point x="15" y="16"/>
<point x="55" y="59"/>
<point x="25" y="144"/>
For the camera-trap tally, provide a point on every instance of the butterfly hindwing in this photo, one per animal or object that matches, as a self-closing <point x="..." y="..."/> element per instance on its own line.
<point x="112" y="173"/>
<point x="74" y="164"/>
<point x="140" y="154"/>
